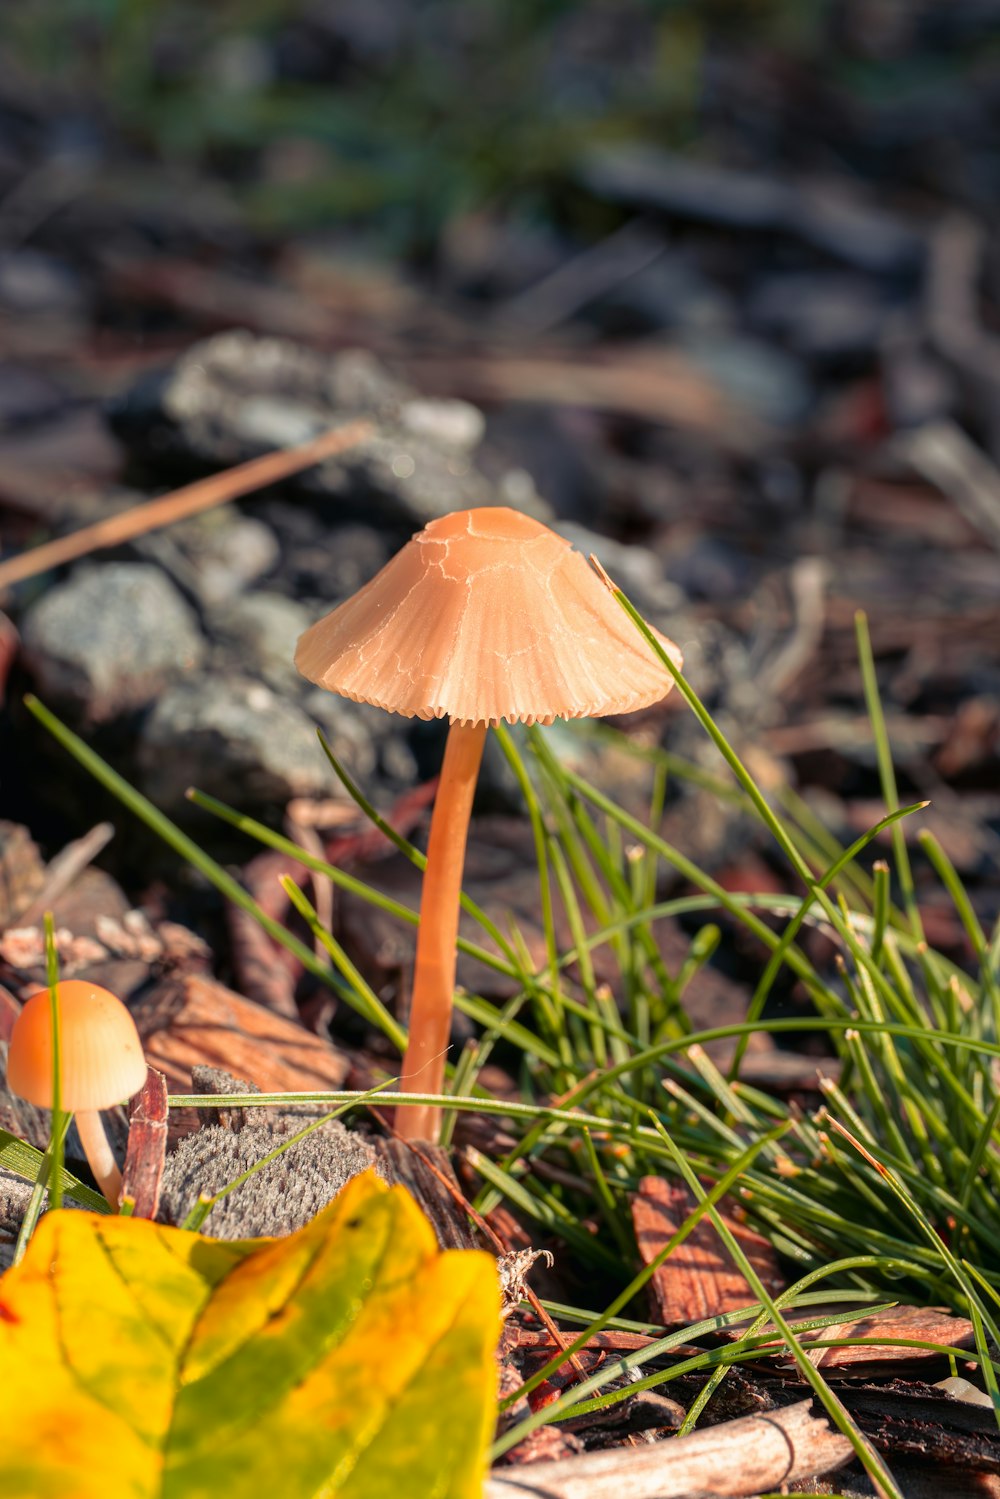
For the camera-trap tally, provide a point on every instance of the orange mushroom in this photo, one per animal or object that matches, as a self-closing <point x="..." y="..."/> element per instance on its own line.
<point x="101" y="1063"/>
<point x="482" y="616"/>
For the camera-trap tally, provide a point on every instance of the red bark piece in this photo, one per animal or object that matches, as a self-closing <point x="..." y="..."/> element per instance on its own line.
<point x="9" y="644"/>
<point x="931" y="1324"/>
<point x="700" y="1278"/>
<point x="147" y="1146"/>
<point x="268" y="973"/>
<point x="9" y="1011"/>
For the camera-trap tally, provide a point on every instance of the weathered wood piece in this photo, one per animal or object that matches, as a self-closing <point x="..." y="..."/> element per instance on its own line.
<point x="281" y="1194"/>
<point x="424" y="1169"/>
<point x="916" y="1481"/>
<point x="738" y="1458"/>
<point x="147" y="1146"/>
<point x="921" y="1421"/>
<point x="700" y="1278"/>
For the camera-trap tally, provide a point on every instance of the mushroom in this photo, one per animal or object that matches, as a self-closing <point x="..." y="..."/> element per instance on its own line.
<point x="101" y="1063"/>
<point x="484" y="615"/>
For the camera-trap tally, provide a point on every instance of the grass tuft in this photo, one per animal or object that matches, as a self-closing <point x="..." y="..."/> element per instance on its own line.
<point x="889" y="1187"/>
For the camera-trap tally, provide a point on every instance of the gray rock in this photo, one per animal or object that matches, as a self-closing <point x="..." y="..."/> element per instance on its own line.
<point x="27" y="395"/>
<point x="832" y="215"/>
<point x="322" y="562"/>
<point x="355" y="382"/>
<point x="110" y="639"/>
<point x="452" y="424"/>
<point x="672" y="292"/>
<point x="213" y="557"/>
<point x="232" y="737"/>
<point x="651" y="178"/>
<point x="40" y="285"/>
<point x="517" y="489"/>
<point x="709" y="567"/>
<point x="237" y="395"/>
<point x="405" y="479"/>
<point x="261" y="630"/>
<point x="279" y="1198"/>
<point x="635" y="569"/>
<point x="396" y="761"/>
<point x="353" y="730"/>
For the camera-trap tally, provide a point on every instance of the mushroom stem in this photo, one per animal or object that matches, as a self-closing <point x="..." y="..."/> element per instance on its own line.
<point x="98" y="1153"/>
<point x="437" y="934"/>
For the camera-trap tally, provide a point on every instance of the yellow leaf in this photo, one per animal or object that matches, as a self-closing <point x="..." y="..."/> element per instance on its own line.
<point x="352" y="1359"/>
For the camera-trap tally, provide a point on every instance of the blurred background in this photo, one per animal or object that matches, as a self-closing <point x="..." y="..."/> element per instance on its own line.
<point x="711" y="285"/>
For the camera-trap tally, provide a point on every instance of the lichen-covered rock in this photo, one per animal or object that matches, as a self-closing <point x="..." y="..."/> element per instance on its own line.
<point x="215" y="556"/>
<point x="232" y="737"/>
<point x="110" y="639"/>
<point x="262" y="629"/>
<point x="237" y="395"/>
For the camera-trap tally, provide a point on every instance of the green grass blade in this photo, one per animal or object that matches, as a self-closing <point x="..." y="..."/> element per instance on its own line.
<point x="887" y="772"/>
<point x="57" y="1126"/>
<point x="23" y="1160"/>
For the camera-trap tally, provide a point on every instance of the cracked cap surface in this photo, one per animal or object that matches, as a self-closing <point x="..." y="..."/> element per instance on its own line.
<point x="486" y="615"/>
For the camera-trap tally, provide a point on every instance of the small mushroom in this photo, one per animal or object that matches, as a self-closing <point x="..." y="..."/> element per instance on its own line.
<point x="482" y="616"/>
<point x="101" y="1063"/>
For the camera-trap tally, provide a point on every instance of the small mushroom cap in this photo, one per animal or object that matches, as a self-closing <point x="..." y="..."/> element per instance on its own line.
<point x="100" y="1051"/>
<point x="486" y="615"/>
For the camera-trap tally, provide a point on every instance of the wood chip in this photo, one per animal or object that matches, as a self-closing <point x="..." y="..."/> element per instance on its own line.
<point x="22" y="872"/>
<point x="699" y="1279"/>
<point x="930" y="1324"/>
<point x="67" y="865"/>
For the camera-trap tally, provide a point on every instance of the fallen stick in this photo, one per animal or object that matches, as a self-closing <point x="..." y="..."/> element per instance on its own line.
<point x="749" y="1456"/>
<point x="191" y="500"/>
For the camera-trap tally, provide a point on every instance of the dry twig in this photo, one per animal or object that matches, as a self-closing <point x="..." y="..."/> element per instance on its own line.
<point x="204" y="494"/>
<point x="736" y="1458"/>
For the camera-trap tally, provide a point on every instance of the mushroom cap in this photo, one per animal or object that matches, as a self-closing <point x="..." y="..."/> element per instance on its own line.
<point x="486" y="615"/>
<point x="100" y="1051"/>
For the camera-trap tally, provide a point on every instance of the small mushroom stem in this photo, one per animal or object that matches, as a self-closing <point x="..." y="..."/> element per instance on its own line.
<point x="437" y="934"/>
<point x="98" y="1153"/>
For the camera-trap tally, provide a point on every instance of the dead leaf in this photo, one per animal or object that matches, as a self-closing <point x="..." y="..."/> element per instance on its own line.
<point x="351" y="1359"/>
